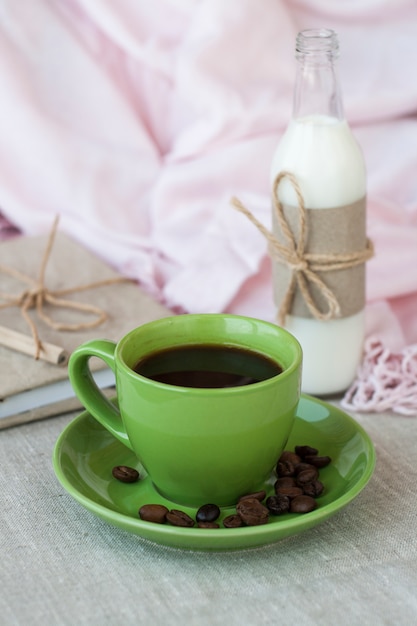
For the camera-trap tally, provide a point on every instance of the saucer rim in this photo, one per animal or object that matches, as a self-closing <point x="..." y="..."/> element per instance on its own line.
<point x="222" y="538"/>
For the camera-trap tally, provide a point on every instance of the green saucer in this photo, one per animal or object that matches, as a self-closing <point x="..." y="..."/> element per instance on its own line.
<point x="85" y="454"/>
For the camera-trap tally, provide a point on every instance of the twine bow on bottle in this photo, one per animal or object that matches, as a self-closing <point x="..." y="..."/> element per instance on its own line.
<point x="304" y="266"/>
<point x="37" y="295"/>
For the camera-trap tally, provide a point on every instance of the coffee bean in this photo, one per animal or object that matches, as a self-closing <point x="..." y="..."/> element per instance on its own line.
<point x="252" y="512"/>
<point x="179" y="518"/>
<point x="285" y="468"/>
<point x="125" y="474"/>
<point x="278" y="504"/>
<point x="302" y="504"/>
<point x="303" y="466"/>
<point x="291" y="492"/>
<point x="307" y="476"/>
<point x="305" y="451"/>
<point x="291" y="457"/>
<point x="285" y="482"/>
<point x="207" y="513"/>
<point x="258" y="495"/>
<point x="153" y="513"/>
<point x="232" y="521"/>
<point x="318" y="461"/>
<point x="313" y="489"/>
<point x="207" y="525"/>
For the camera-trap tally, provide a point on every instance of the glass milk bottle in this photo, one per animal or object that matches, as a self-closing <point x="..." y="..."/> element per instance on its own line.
<point x="320" y="152"/>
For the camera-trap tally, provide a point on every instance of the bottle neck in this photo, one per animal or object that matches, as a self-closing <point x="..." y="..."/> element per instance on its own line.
<point x="317" y="91"/>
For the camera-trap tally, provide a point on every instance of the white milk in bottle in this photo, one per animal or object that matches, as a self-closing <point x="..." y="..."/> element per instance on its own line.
<point x="319" y="150"/>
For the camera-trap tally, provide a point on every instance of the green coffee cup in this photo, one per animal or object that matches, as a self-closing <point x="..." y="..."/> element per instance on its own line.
<point x="199" y="445"/>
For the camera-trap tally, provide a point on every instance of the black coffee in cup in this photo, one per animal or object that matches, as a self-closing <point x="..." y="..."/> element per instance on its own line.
<point x="207" y="366"/>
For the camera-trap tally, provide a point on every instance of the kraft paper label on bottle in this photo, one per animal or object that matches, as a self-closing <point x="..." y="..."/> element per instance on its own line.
<point x="333" y="231"/>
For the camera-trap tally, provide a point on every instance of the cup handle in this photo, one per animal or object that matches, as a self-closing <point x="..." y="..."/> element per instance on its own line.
<point x="89" y="394"/>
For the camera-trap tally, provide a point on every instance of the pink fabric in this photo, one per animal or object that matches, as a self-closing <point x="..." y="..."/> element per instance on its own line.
<point x="137" y="121"/>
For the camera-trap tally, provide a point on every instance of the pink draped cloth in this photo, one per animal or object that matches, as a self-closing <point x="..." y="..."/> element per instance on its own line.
<point x="137" y="121"/>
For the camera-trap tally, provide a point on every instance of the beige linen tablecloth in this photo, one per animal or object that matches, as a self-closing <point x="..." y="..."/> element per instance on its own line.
<point x="62" y="565"/>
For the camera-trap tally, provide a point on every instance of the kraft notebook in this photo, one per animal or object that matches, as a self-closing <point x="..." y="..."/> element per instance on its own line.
<point x="34" y="389"/>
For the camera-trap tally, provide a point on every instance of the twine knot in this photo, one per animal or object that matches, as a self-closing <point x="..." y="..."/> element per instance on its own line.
<point x="28" y="297"/>
<point x="304" y="266"/>
<point x="299" y="265"/>
<point x="37" y="295"/>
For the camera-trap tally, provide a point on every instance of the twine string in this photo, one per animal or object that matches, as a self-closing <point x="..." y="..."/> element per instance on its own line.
<point x="304" y="266"/>
<point x="37" y="295"/>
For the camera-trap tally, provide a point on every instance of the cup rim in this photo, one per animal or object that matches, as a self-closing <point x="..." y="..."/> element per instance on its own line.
<point x="287" y="371"/>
